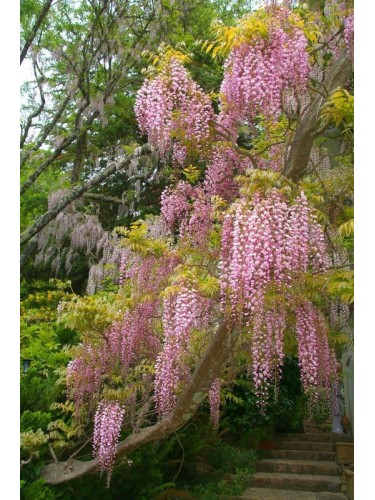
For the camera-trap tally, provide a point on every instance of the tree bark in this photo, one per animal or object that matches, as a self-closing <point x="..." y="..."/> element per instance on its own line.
<point x="300" y="150"/>
<point x="208" y="368"/>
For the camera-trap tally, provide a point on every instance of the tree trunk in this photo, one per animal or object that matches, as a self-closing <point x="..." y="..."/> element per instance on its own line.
<point x="300" y="150"/>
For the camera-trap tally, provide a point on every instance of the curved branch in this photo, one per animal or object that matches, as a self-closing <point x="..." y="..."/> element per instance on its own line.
<point x="208" y="368"/>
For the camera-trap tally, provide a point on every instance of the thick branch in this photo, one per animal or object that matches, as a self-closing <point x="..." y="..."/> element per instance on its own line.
<point x="208" y="368"/>
<point x="35" y="28"/>
<point x="298" y="158"/>
<point x="79" y="191"/>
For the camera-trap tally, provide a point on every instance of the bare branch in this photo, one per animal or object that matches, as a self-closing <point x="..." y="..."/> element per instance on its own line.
<point x="46" y="130"/>
<point x="51" y="450"/>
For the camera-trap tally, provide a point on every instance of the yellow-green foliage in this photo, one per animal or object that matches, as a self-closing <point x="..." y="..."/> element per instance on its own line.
<point x="137" y="240"/>
<point x="160" y="60"/>
<point x="192" y="173"/>
<point x="340" y="284"/>
<point x="31" y="441"/>
<point x="250" y="26"/>
<point x="264" y="180"/>
<point x="209" y="286"/>
<point x="347" y="228"/>
<point x="66" y="430"/>
<point x="91" y="315"/>
<point x="41" y="305"/>
<point x="339" y="109"/>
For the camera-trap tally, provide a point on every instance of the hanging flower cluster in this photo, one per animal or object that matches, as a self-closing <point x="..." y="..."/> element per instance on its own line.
<point x="86" y="236"/>
<point x="317" y="362"/>
<point x="84" y="373"/>
<point x="130" y="338"/>
<point x="187" y="209"/>
<point x="267" y="350"/>
<point x="175" y="205"/>
<point x="223" y="165"/>
<point x="182" y="312"/>
<point x="173" y="107"/>
<point x="147" y="274"/>
<point x="264" y="249"/>
<point x="266" y="243"/>
<point x="214" y="398"/>
<point x="107" y="429"/>
<point x="123" y="344"/>
<point x="133" y="337"/>
<point x="89" y="235"/>
<point x="258" y="70"/>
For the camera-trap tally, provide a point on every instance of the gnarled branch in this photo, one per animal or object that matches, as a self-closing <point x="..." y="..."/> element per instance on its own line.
<point x="300" y="149"/>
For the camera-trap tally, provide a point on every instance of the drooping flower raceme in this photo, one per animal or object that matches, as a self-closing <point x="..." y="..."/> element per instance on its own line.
<point x="182" y="313"/>
<point x="84" y="373"/>
<point x="214" y="398"/>
<point x="349" y="35"/>
<point x="266" y="247"/>
<point x="258" y="70"/>
<point x="187" y="209"/>
<point x="174" y="111"/>
<point x="267" y="349"/>
<point x="222" y="167"/>
<point x="317" y="362"/>
<point x="107" y="427"/>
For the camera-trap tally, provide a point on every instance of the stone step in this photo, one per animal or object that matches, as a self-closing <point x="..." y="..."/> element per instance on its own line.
<point x="302" y="455"/>
<point x="324" y="437"/>
<point x="269" y="494"/>
<point x="303" y="482"/>
<point x="305" y="445"/>
<point x="326" y="468"/>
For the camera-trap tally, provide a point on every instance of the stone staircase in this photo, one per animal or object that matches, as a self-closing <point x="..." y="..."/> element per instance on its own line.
<point x="300" y="467"/>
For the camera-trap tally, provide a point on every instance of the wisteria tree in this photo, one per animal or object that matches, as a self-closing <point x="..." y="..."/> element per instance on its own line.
<point x="250" y="258"/>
